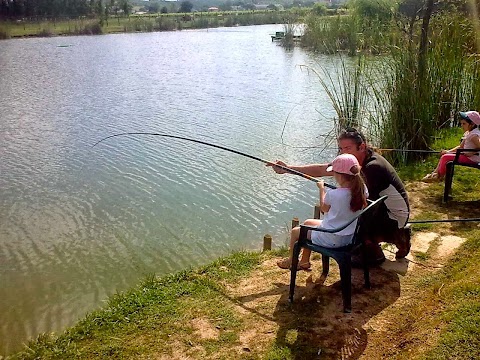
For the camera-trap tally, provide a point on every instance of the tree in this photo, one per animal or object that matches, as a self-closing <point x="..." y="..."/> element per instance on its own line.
<point x="185" y="7"/>
<point x="153" y="7"/>
<point x="411" y="11"/>
<point x="126" y="7"/>
<point x="319" y="9"/>
<point x="99" y="8"/>
<point x="374" y="9"/>
<point x="164" y="10"/>
<point x="226" y="6"/>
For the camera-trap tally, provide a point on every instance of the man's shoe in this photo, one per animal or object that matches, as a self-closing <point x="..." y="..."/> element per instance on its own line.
<point x="357" y="261"/>
<point x="403" y="242"/>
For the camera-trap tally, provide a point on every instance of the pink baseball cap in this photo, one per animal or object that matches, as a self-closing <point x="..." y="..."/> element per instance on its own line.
<point x="473" y="116"/>
<point x="343" y="164"/>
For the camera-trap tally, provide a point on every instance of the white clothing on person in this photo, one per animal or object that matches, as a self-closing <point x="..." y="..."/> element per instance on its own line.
<point x="468" y="143"/>
<point x="338" y="214"/>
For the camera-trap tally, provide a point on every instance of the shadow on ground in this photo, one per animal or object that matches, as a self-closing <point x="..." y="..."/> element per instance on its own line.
<point x="314" y="325"/>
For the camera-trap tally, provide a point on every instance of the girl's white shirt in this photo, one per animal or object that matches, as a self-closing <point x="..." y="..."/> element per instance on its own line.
<point x="468" y="142"/>
<point x="340" y="213"/>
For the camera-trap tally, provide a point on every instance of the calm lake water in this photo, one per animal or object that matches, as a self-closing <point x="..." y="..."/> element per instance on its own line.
<point x="79" y="223"/>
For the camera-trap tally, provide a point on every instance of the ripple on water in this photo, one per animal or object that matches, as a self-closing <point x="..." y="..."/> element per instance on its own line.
<point x="79" y="223"/>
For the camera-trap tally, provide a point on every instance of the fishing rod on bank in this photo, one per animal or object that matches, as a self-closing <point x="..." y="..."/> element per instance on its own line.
<point x="292" y="171"/>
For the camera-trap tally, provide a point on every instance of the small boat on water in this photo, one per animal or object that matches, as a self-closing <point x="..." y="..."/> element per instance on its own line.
<point x="280" y="35"/>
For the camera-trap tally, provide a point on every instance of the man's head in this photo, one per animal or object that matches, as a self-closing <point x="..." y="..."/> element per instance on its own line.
<point x="352" y="141"/>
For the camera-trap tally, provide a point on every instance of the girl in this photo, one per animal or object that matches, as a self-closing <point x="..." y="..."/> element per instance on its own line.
<point x="470" y="140"/>
<point x="339" y="206"/>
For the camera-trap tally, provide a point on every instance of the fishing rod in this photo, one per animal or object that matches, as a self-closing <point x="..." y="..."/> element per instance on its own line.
<point x="292" y="171"/>
<point x="411" y="151"/>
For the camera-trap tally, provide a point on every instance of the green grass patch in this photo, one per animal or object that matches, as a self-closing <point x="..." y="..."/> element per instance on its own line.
<point x="456" y="291"/>
<point x="152" y="315"/>
<point x="445" y="139"/>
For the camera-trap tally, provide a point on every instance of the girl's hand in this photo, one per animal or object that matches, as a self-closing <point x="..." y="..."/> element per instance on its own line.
<point x="320" y="184"/>
<point x="443" y="152"/>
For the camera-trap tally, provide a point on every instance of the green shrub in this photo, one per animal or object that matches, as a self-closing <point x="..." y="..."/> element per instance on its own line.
<point x="4" y="33"/>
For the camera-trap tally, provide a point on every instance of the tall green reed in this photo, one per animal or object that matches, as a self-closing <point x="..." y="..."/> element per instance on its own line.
<point x="331" y="34"/>
<point x="396" y="105"/>
<point x="345" y="87"/>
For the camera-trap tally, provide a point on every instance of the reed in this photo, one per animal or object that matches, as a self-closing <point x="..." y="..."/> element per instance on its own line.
<point x="331" y="34"/>
<point x="346" y="88"/>
<point x="289" y="29"/>
<point x="418" y="104"/>
<point x="390" y="98"/>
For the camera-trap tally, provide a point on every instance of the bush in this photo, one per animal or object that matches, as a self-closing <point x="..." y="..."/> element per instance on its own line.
<point x="4" y="34"/>
<point x="45" y="32"/>
<point x="165" y="24"/>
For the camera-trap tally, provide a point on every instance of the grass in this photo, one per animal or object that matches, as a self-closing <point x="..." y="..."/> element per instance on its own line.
<point x="452" y="305"/>
<point x="445" y="139"/>
<point x="156" y="314"/>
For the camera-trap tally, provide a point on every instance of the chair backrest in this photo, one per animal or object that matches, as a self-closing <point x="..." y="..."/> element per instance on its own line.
<point x="370" y="212"/>
<point x="371" y="207"/>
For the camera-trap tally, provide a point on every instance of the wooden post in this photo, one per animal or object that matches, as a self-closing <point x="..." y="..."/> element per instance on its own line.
<point x="316" y="211"/>
<point x="295" y="222"/>
<point x="267" y="242"/>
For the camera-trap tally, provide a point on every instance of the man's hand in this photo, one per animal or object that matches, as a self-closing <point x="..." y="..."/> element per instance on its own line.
<point x="277" y="169"/>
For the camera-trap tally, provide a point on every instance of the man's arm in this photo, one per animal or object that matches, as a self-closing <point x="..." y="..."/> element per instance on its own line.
<point x="315" y="170"/>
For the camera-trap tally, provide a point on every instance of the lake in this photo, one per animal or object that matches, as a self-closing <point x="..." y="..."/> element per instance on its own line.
<point x="78" y="224"/>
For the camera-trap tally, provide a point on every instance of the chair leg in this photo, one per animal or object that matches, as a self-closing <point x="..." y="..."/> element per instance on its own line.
<point x="366" y="268"/>
<point x="293" y="270"/>
<point x="345" y="265"/>
<point x="366" y="275"/>
<point x="448" y="181"/>
<point x="325" y="264"/>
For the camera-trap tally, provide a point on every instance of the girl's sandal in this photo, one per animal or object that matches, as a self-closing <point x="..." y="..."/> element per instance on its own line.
<point x="306" y="266"/>
<point x="433" y="177"/>
<point x="284" y="263"/>
<point x="287" y="264"/>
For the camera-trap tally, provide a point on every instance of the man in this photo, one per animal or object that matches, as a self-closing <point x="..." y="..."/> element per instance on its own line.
<point x="389" y="223"/>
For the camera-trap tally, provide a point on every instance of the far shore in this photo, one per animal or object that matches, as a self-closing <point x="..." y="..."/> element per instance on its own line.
<point x="141" y="23"/>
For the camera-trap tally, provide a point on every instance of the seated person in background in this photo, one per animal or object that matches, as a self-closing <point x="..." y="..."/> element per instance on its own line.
<point x="389" y="223"/>
<point x="339" y="205"/>
<point x="469" y="121"/>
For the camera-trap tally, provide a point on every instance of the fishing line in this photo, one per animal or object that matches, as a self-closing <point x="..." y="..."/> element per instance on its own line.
<point x="416" y="262"/>
<point x="441" y="221"/>
<point x="292" y="171"/>
<point x="411" y="150"/>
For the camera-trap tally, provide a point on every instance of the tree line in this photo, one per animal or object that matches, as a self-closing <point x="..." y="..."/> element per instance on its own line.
<point x="19" y="9"/>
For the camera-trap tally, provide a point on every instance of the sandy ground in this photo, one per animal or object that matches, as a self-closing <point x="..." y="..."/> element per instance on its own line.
<point x="315" y="321"/>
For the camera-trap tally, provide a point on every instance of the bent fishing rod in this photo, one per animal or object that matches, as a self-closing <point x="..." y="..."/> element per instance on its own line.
<point x="292" y="171"/>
